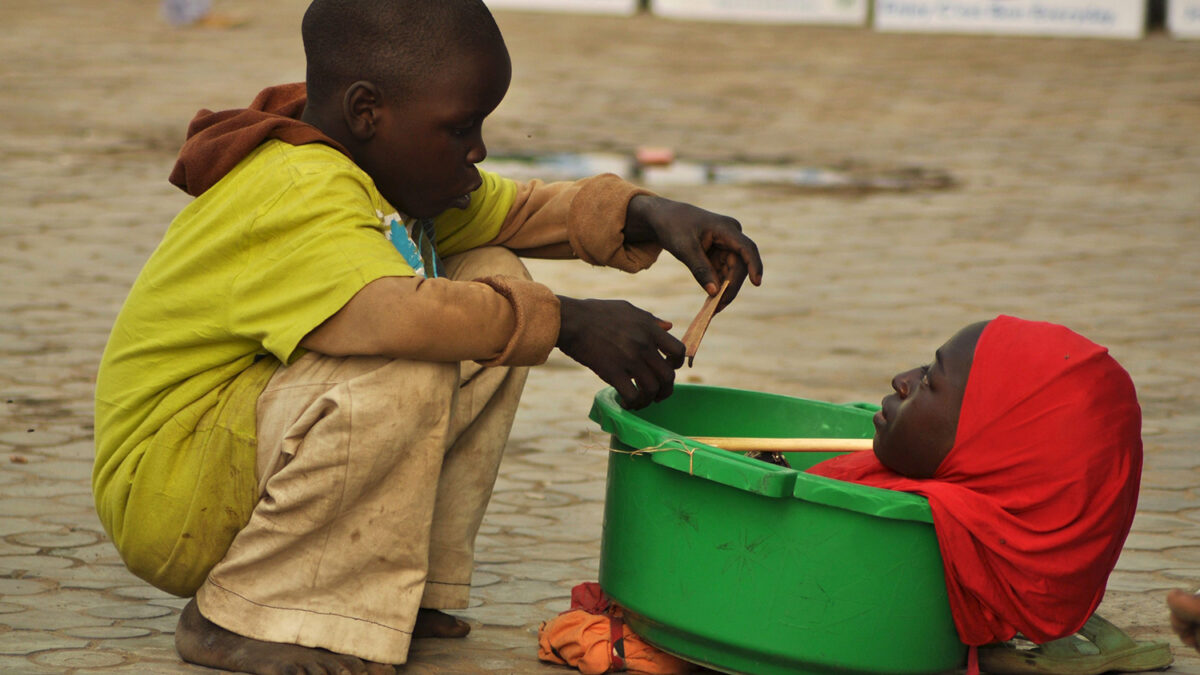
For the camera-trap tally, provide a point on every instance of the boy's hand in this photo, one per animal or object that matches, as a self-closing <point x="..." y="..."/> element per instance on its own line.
<point x="1185" y="616"/>
<point x="711" y="245"/>
<point x="627" y="347"/>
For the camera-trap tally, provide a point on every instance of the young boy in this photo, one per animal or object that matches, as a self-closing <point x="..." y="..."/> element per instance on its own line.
<point x="1026" y="439"/>
<point x="299" y="421"/>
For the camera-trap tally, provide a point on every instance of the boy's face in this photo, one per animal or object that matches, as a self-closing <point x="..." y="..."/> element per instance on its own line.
<point x="423" y="154"/>
<point x="916" y="427"/>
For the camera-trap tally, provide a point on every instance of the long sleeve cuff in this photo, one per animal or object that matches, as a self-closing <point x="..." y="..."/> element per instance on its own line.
<point x="536" y="314"/>
<point x="596" y="225"/>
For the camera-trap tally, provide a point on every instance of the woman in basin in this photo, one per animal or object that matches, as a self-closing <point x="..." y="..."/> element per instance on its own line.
<point x="1026" y="439"/>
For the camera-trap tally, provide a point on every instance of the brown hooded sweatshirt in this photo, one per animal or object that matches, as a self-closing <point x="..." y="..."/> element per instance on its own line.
<point x="518" y="323"/>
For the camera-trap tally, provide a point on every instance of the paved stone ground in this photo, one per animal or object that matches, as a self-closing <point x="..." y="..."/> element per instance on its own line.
<point x="1077" y="199"/>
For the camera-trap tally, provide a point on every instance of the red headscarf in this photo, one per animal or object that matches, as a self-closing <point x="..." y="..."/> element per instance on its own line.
<point x="1034" y="501"/>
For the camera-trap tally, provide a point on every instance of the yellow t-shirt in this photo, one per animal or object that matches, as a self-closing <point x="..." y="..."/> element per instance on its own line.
<point x="241" y="276"/>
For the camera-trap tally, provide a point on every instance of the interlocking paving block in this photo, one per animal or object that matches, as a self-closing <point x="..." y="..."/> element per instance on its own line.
<point x="41" y="487"/>
<point x="83" y="500"/>
<point x="142" y="665"/>
<point x="60" y="539"/>
<point x="1160" y="522"/>
<point x="562" y="457"/>
<point x="537" y="570"/>
<point x="30" y="641"/>
<point x="7" y="548"/>
<point x="21" y="665"/>
<point x="1142" y="561"/>
<point x="163" y="624"/>
<point x="514" y="614"/>
<point x="480" y="579"/>
<point x="170" y="601"/>
<point x="10" y="525"/>
<point x="94" y="576"/>
<point x="77" y="658"/>
<point x="483" y="556"/>
<point x="568" y="550"/>
<point x="1148" y="541"/>
<point x="1177" y="478"/>
<point x="106" y="632"/>
<point x="1139" y="582"/>
<point x="1187" y="554"/>
<point x="517" y="591"/>
<point x="29" y="506"/>
<point x="506" y="544"/>
<point x="48" y="617"/>
<point x="533" y="498"/>
<point x="1167" y="501"/>
<point x="33" y="437"/>
<point x="129" y="611"/>
<point x="84" y="450"/>
<point x="1186" y="577"/>
<point x="101" y="554"/>
<point x="85" y="519"/>
<point x="141" y="591"/>
<point x="503" y="520"/>
<point x="547" y="477"/>
<point x="12" y="587"/>
<point x="61" y="469"/>
<point x="591" y="491"/>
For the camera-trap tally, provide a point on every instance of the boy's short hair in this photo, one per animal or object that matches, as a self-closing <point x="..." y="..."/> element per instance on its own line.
<point x="391" y="43"/>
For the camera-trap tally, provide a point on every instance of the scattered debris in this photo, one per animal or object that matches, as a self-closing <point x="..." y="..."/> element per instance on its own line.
<point x="659" y="167"/>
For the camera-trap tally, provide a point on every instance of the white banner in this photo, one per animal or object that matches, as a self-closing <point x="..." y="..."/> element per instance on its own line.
<point x="851" y="12"/>
<point x="1183" y="18"/>
<point x="624" y="7"/>
<point x="1063" y="18"/>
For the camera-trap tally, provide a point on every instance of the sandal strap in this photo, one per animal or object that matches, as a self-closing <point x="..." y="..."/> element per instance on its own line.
<point x="1106" y="637"/>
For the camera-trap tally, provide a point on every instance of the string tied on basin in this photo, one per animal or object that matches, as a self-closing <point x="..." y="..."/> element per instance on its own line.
<point x="667" y="445"/>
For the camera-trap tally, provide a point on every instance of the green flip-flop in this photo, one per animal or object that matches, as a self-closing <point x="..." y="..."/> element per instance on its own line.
<point x="1102" y="648"/>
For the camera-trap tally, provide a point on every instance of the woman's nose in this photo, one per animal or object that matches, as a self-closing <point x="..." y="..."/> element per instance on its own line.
<point x="902" y="382"/>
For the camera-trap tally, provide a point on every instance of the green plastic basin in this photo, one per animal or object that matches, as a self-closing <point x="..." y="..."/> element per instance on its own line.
<point x="747" y="567"/>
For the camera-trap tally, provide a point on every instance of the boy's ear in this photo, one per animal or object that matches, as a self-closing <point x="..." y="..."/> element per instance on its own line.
<point x="360" y="108"/>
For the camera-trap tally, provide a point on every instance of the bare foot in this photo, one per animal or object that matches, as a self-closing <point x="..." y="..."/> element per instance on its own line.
<point x="1185" y="616"/>
<point x="434" y="623"/>
<point x="203" y="642"/>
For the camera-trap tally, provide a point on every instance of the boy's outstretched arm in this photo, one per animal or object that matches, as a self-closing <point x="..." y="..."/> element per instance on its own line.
<point x="712" y="246"/>
<point x="631" y="349"/>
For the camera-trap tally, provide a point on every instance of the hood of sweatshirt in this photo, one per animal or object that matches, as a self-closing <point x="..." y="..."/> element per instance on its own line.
<point x="217" y="141"/>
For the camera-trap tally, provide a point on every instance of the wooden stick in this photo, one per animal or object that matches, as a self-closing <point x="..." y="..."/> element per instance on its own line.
<point x="737" y="444"/>
<point x="695" y="332"/>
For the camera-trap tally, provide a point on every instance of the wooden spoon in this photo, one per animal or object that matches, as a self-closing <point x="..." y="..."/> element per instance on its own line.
<point x="695" y="332"/>
<point x="742" y="444"/>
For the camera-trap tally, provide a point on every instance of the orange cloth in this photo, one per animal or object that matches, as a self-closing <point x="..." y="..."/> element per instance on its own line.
<point x="583" y="636"/>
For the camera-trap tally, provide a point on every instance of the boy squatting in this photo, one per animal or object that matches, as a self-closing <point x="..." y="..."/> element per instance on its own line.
<point x="294" y="425"/>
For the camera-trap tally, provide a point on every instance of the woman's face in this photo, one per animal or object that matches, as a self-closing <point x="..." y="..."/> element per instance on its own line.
<point x="915" y="429"/>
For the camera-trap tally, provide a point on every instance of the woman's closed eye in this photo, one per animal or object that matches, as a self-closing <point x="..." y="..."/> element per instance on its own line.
<point x="461" y="130"/>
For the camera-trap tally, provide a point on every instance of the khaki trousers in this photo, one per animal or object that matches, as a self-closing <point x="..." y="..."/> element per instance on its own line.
<point x="374" y="475"/>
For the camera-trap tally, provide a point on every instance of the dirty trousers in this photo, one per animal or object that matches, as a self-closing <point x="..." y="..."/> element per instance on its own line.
<point x="374" y="475"/>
